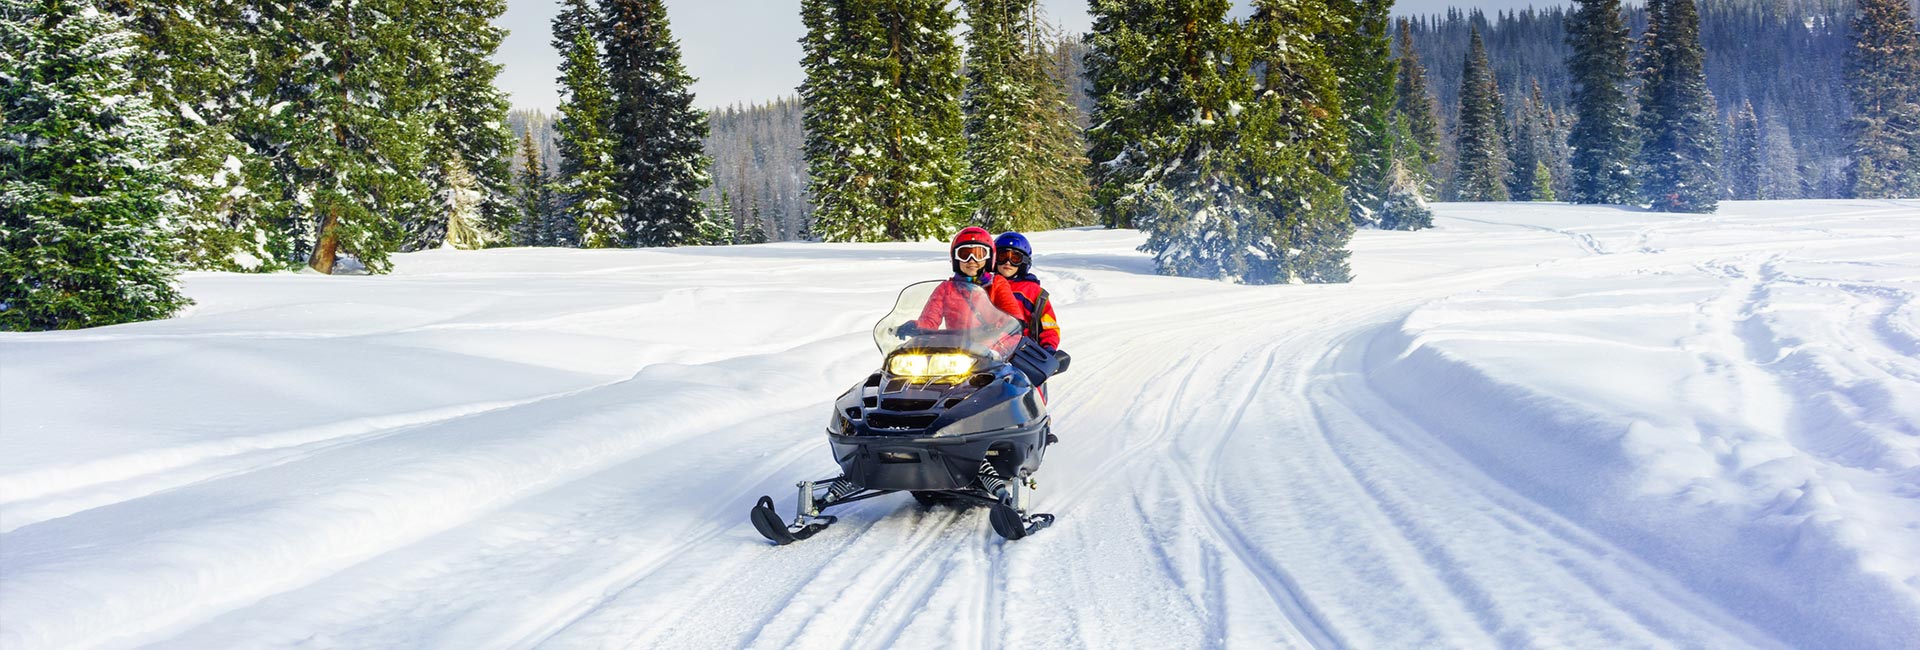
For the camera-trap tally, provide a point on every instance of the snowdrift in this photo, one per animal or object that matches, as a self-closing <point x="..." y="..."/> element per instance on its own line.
<point x="1534" y="426"/>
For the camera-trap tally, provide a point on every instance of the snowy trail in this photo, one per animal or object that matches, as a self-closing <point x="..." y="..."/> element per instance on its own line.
<point x="1532" y="427"/>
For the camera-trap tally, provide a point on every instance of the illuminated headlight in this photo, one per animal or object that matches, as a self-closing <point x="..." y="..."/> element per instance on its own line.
<point x="930" y="365"/>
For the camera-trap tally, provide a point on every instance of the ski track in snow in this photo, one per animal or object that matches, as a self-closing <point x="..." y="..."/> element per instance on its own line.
<point x="1532" y="427"/>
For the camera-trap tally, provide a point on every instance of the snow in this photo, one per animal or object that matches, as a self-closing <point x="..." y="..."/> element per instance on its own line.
<point x="1533" y="426"/>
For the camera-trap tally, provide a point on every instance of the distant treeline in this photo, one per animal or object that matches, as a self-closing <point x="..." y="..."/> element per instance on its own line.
<point x="1787" y="57"/>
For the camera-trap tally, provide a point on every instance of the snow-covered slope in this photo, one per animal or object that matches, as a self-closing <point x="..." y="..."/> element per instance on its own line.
<point x="1535" y="426"/>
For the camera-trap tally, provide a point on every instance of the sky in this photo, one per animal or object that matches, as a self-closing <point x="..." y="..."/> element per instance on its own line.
<point x="748" y="51"/>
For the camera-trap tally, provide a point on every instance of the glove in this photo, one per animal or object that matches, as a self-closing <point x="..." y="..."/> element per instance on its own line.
<point x="909" y="328"/>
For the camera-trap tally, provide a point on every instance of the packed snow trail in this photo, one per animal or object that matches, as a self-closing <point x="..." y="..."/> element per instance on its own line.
<point x="1535" y="426"/>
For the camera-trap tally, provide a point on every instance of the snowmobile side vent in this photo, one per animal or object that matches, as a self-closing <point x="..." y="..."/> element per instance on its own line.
<point x="873" y="380"/>
<point x="895" y="386"/>
<point x="853" y="413"/>
<point x="901" y="404"/>
<point x="952" y="402"/>
<point x="981" y="380"/>
<point x="891" y="422"/>
<point x="870" y="401"/>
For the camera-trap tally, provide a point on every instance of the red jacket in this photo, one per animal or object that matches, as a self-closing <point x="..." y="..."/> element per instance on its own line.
<point x="947" y="308"/>
<point x="1026" y="291"/>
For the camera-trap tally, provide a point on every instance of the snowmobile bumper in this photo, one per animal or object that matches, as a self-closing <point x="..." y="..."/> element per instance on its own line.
<point x="938" y="463"/>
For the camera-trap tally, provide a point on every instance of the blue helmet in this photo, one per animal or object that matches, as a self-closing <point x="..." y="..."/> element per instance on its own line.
<point x="1013" y="241"/>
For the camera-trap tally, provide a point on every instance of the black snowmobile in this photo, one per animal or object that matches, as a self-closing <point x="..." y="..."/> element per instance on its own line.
<point x="953" y="416"/>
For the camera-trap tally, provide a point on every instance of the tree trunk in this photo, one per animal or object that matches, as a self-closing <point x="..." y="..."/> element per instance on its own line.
<point x="329" y="248"/>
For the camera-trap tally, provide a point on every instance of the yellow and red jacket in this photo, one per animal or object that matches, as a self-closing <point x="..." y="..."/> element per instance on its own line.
<point x="1026" y="290"/>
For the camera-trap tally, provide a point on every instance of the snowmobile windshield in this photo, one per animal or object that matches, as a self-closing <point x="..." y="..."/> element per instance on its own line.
<point x="945" y="316"/>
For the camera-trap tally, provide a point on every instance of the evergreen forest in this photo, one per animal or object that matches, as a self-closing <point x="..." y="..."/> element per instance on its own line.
<point x="144" y="138"/>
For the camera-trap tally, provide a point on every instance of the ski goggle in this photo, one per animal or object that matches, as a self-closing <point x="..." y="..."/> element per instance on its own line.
<point x="972" y="253"/>
<point x="1011" y="256"/>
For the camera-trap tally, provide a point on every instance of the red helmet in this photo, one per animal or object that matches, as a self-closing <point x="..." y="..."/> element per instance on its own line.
<point x="970" y="236"/>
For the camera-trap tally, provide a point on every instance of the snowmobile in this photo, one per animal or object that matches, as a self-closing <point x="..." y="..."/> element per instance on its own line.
<point x="954" y="416"/>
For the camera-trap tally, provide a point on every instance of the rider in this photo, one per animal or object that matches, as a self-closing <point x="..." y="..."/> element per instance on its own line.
<point x="970" y="252"/>
<point x="1013" y="260"/>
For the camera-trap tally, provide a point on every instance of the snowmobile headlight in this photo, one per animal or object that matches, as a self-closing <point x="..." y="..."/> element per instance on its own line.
<point x="930" y="365"/>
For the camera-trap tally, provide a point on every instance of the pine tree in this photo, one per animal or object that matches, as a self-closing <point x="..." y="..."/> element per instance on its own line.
<point x="994" y="102"/>
<point x="1201" y="217"/>
<point x="1138" y="99"/>
<point x="1480" y="174"/>
<point x="1248" y="189"/>
<point x="1362" y="55"/>
<point x="1405" y="209"/>
<point x="1883" y="78"/>
<point x="1523" y="152"/>
<point x="1532" y="149"/>
<point x="1024" y="151"/>
<point x="1602" y="137"/>
<point x="536" y="201"/>
<point x="660" y="164"/>
<point x="191" y="64"/>
<point x="1744" y="157"/>
<point x="1678" y="136"/>
<point x="716" y="227"/>
<point x="883" y="83"/>
<point x="1780" y="167"/>
<point x="468" y="154"/>
<point x="754" y="230"/>
<point x="588" y="208"/>
<point x="1543" y="182"/>
<point x="83" y="175"/>
<point x="1065" y="198"/>
<point x="1418" y="150"/>
<point x="348" y="123"/>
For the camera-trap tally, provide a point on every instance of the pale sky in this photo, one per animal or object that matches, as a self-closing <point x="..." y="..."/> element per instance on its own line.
<point x="747" y="51"/>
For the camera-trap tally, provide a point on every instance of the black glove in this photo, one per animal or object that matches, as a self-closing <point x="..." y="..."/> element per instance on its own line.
<point x="909" y="328"/>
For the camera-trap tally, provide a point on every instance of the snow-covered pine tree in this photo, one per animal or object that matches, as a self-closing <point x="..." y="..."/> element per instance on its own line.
<point x="887" y="74"/>
<point x="1405" y="209"/>
<point x="1743" y="155"/>
<point x="1059" y="141"/>
<point x="83" y="174"/>
<point x="1480" y="174"/>
<point x="192" y="65"/>
<point x="1024" y="151"/>
<point x="1201" y="217"/>
<point x="660" y="165"/>
<point x="716" y="226"/>
<point x="1529" y="150"/>
<point x="1523" y="150"/>
<point x="1678" y="138"/>
<point x="469" y="121"/>
<point x="995" y="101"/>
<point x="1248" y="188"/>
<point x="1137" y="100"/>
<point x="826" y="112"/>
<point x="536" y="200"/>
<point x="1362" y="54"/>
<point x="1602" y="138"/>
<point x="754" y="229"/>
<point x="1418" y="150"/>
<point x="1294" y="142"/>
<point x="1883" y="78"/>
<point x="587" y="210"/>
<point x="1780" y="168"/>
<point x="347" y="124"/>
